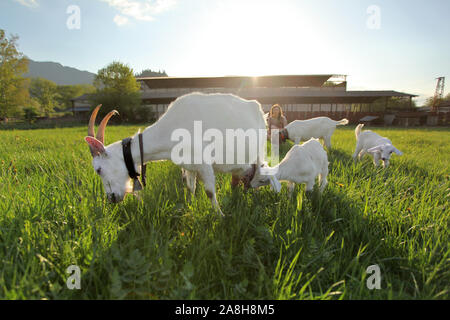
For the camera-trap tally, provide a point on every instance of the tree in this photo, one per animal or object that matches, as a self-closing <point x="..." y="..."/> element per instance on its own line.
<point x="13" y="86"/>
<point x="429" y="101"/>
<point x="398" y="103"/>
<point x="118" y="89"/>
<point x="151" y="73"/>
<point x="31" y="111"/>
<point x="45" y="92"/>
<point x="68" y="92"/>
<point x="393" y="103"/>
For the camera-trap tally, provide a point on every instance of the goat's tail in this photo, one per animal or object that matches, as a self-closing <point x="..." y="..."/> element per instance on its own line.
<point x="358" y="130"/>
<point x="342" y="122"/>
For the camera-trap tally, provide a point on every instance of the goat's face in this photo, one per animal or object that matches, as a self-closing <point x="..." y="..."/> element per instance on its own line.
<point x="264" y="176"/>
<point x="108" y="161"/>
<point x="110" y="166"/>
<point x="384" y="152"/>
<point x="260" y="180"/>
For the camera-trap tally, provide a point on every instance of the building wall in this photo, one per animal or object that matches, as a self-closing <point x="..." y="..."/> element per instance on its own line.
<point x="159" y="109"/>
<point x="81" y="106"/>
<point x="292" y="111"/>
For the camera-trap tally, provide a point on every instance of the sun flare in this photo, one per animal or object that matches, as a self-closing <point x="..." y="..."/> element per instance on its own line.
<point x="253" y="39"/>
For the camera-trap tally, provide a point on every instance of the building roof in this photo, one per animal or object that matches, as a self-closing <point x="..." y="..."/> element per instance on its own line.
<point x="285" y="89"/>
<point x="236" y="81"/>
<point x="82" y="97"/>
<point x="289" y="95"/>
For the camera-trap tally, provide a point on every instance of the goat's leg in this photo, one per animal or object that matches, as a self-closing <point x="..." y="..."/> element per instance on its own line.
<point x="209" y="181"/>
<point x="362" y="154"/>
<point x="297" y="140"/>
<point x="327" y="140"/>
<point x="323" y="178"/>
<point x="357" y="154"/>
<point x="183" y="175"/>
<point x="376" y="159"/>
<point x="235" y="179"/>
<point x="309" y="188"/>
<point x="291" y="187"/>
<point x="310" y="185"/>
<point x="191" y="180"/>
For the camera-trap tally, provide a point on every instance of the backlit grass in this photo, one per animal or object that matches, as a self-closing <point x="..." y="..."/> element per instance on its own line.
<point x="169" y="245"/>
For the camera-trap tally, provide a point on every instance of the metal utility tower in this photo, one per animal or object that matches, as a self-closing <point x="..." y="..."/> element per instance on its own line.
<point x="438" y="94"/>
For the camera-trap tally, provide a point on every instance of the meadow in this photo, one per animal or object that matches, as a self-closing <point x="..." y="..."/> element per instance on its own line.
<point x="169" y="245"/>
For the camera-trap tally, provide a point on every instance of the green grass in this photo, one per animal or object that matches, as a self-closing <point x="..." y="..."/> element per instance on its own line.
<point x="53" y="214"/>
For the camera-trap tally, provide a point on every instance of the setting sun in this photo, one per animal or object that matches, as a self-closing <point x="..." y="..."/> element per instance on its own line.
<point x="249" y="39"/>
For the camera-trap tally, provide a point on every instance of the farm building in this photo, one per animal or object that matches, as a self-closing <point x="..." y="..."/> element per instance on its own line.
<point x="439" y="117"/>
<point x="81" y="104"/>
<point x="301" y="96"/>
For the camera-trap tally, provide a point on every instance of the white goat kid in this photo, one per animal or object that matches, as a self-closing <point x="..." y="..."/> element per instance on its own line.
<point x="320" y="127"/>
<point x="302" y="164"/>
<point x="218" y="112"/>
<point x="379" y="147"/>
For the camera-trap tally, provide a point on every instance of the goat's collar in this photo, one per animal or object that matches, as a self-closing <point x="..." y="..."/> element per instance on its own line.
<point x="284" y="135"/>
<point x="248" y="177"/>
<point x="129" y="163"/>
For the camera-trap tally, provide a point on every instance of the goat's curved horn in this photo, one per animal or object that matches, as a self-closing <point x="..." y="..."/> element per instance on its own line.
<point x="91" y="127"/>
<point x="101" y="128"/>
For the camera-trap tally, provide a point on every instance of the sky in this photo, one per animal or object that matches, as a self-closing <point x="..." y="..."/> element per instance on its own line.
<point x="397" y="45"/>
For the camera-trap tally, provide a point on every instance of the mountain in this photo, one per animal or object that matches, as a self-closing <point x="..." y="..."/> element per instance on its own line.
<point x="58" y="73"/>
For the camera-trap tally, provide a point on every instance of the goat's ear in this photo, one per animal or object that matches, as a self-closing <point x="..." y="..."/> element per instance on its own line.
<point x="95" y="145"/>
<point x="397" y="152"/>
<point x="375" y="149"/>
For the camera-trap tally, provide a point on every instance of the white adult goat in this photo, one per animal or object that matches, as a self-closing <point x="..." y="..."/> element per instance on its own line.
<point x="218" y="112"/>
<point x="379" y="147"/>
<point x="320" y="127"/>
<point x="302" y="164"/>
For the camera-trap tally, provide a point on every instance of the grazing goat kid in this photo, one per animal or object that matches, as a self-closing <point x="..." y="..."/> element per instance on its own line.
<point x="379" y="147"/>
<point x="320" y="127"/>
<point x="302" y="164"/>
<point x="187" y="117"/>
